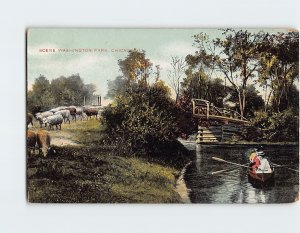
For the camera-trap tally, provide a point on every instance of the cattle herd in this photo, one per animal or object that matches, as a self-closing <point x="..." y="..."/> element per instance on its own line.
<point x="55" y="117"/>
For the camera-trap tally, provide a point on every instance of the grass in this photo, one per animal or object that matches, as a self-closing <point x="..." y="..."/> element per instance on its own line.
<point x="92" y="173"/>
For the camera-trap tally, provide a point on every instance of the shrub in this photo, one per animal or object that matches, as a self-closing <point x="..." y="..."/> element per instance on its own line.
<point x="141" y="120"/>
<point x="274" y="127"/>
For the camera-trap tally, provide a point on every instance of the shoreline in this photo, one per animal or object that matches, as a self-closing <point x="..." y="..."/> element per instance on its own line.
<point x="181" y="188"/>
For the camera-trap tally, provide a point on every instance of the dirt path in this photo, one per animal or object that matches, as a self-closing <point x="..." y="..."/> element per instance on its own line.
<point x="58" y="137"/>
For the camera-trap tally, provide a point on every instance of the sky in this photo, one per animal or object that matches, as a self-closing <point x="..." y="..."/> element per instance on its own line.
<point x="94" y="53"/>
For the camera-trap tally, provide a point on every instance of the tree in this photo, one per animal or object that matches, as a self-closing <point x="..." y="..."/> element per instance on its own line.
<point x="201" y="66"/>
<point x="198" y="86"/>
<point x="142" y="116"/>
<point x="254" y="101"/>
<point x="176" y="74"/>
<point x="278" y="67"/>
<point x="238" y="59"/>
<point x="61" y="91"/>
<point x="116" y="87"/>
<point x="136" y="68"/>
<point x="40" y="97"/>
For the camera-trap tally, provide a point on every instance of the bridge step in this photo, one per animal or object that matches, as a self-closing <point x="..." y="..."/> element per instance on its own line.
<point x="218" y="133"/>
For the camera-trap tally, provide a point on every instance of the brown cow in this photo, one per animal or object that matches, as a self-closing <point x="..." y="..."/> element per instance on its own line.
<point x="31" y="141"/>
<point x="43" y="142"/>
<point x="90" y="112"/>
<point x="29" y="119"/>
<point x="72" y="112"/>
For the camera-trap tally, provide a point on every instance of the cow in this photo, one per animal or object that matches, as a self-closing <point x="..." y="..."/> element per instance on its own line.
<point x="40" y="116"/>
<point x="56" y="120"/>
<point x="79" y="112"/>
<point x="29" y="119"/>
<point x="43" y="142"/>
<point x="54" y="110"/>
<point x="31" y="141"/>
<point x="72" y="112"/>
<point x="65" y="114"/>
<point x="90" y="112"/>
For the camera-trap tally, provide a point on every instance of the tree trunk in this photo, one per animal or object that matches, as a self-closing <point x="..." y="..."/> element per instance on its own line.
<point x="240" y="103"/>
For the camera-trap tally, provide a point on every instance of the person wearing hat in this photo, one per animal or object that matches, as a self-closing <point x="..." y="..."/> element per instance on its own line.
<point x="254" y="160"/>
<point x="260" y="151"/>
<point x="264" y="166"/>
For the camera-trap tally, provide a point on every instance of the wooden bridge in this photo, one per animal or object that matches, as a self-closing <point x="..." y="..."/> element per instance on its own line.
<point x="216" y="124"/>
<point x="203" y="109"/>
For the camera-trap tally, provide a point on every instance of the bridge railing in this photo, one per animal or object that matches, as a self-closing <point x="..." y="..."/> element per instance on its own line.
<point x="203" y="108"/>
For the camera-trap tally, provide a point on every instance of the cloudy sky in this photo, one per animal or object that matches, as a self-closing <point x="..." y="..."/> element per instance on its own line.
<point x="97" y="62"/>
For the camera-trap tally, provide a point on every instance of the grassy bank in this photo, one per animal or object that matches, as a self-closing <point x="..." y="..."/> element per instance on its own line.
<point x="91" y="172"/>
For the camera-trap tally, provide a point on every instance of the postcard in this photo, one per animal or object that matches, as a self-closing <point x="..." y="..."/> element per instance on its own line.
<point x="162" y="115"/>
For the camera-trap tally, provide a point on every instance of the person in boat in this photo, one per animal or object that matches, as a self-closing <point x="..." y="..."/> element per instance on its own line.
<point x="258" y="162"/>
<point x="254" y="161"/>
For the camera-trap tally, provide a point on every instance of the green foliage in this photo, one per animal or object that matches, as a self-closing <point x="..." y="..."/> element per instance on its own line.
<point x="199" y="86"/>
<point x="136" y="67"/>
<point x="141" y="120"/>
<point x="116" y="87"/>
<point x="142" y="116"/>
<point x="284" y="127"/>
<point x="61" y="91"/>
<point x="94" y="175"/>
<point x="254" y="101"/>
<point x="187" y="124"/>
<point x="276" y="127"/>
<point x="279" y="68"/>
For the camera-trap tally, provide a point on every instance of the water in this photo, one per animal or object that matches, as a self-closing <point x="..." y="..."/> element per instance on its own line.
<point x="233" y="185"/>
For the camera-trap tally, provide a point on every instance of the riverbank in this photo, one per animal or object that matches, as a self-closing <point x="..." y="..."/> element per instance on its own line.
<point x="181" y="187"/>
<point x="84" y="170"/>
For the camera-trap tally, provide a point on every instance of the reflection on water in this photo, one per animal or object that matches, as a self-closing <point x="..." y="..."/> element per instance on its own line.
<point x="198" y="157"/>
<point x="232" y="185"/>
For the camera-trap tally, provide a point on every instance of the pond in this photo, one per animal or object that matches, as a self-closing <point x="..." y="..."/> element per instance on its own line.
<point x="233" y="185"/>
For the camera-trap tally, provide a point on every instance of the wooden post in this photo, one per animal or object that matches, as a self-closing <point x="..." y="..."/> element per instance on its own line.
<point x="222" y="133"/>
<point x="207" y="113"/>
<point x="193" y="102"/>
<point x="83" y="100"/>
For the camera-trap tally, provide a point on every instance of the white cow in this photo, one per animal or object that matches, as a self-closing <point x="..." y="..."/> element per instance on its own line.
<point x="41" y="115"/>
<point x="65" y="114"/>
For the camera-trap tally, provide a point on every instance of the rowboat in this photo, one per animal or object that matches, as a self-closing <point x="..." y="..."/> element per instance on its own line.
<point x="261" y="179"/>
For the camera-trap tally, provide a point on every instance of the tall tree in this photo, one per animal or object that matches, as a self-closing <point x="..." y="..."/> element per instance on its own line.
<point x="202" y="64"/>
<point x="176" y="74"/>
<point x="278" y="67"/>
<point x="136" y="68"/>
<point x="238" y="59"/>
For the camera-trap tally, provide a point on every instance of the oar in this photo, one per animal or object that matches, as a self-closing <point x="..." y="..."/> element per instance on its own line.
<point x="284" y="166"/>
<point x="222" y="160"/>
<point x="225" y="170"/>
<point x="220" y="171"/>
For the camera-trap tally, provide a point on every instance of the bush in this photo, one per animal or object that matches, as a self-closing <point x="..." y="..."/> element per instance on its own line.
<point x="141" y="120"/>
<point x="274" y="127"/>
<point x="284" y="127"/>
